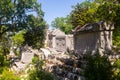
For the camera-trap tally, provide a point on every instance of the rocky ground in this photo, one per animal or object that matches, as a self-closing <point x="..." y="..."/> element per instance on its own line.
<point x="65" y="66"/>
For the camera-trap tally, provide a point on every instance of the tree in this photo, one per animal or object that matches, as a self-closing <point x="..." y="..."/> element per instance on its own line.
<point x="14" y="16"/>
<point x="13" y="13"/>
<point x="35" y="34"/>
<point x="96" y="10"/>
<point x="63" y="24"/>
<point x="83" y="13"/>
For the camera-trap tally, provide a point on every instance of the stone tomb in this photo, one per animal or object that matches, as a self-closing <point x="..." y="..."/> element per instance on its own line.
<point x="59" y="41"/>
<point x="93" y="37"/>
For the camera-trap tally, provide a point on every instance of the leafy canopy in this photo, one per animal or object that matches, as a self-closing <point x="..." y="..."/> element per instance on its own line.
<point x="16" y="15"/>
<point x="94" y="11"/>
<point x="63" y="24"/>
<point x="35" y="34"/>
<point x="83" y="13"/>
<point x="13" y="13"/>
<point x="18" y="38"/>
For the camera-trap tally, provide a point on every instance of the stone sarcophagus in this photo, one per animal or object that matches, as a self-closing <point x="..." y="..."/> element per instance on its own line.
<point x="59" y="41"/>
<point x="93" y="37"/>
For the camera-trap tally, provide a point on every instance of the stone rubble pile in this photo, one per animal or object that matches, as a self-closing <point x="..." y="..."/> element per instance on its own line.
<point x="62" y="65"/>
<point x="26" y="58"/>
<point x="65" y="67"/>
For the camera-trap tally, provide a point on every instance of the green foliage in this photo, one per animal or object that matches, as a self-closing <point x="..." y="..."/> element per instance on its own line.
<point x="35" y="59"/>
<point x="83" y="13"/>
<point x="18" y="41"/>
<point x="14" y="13"/>
<point x="4" y="51"/>
<point x="1" y="60"/>
<point x="117" y="64"/>
<point x="108" y="11"/>
<point x="63" y="24"/>
<point x="18" y="38"/>
<point x="95" y="10"/>
<point x="15" y="17"/>
<point x="8" y="75"/>
<point x="116" y="37"/>
<point x="98" y="68"/>
<point x="35" y="34"/>
<point x="117" y="70"/>
<point x="38" y="73"/>
<point x="4" y="44"/>
<point x="1" y="63"/>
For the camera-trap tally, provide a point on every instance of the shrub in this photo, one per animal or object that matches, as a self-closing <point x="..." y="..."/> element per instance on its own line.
<point x="117" y="70"/>
<point x="8" y="75"/>
<point x="38" y="73"/>
<point x="35" y="59"/>
<point x="1" y="60"/>
<point x="98" y="68"/>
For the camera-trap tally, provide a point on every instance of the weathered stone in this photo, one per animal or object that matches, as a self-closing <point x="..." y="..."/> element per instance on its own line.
<point x="59" y="41"/>
<point x="45" y="52"/>
<point x="26" y="58"/>
<point x="93" y="37"/>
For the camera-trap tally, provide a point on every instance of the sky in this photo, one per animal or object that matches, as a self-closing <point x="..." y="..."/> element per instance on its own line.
<point x="57" y="8"/>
